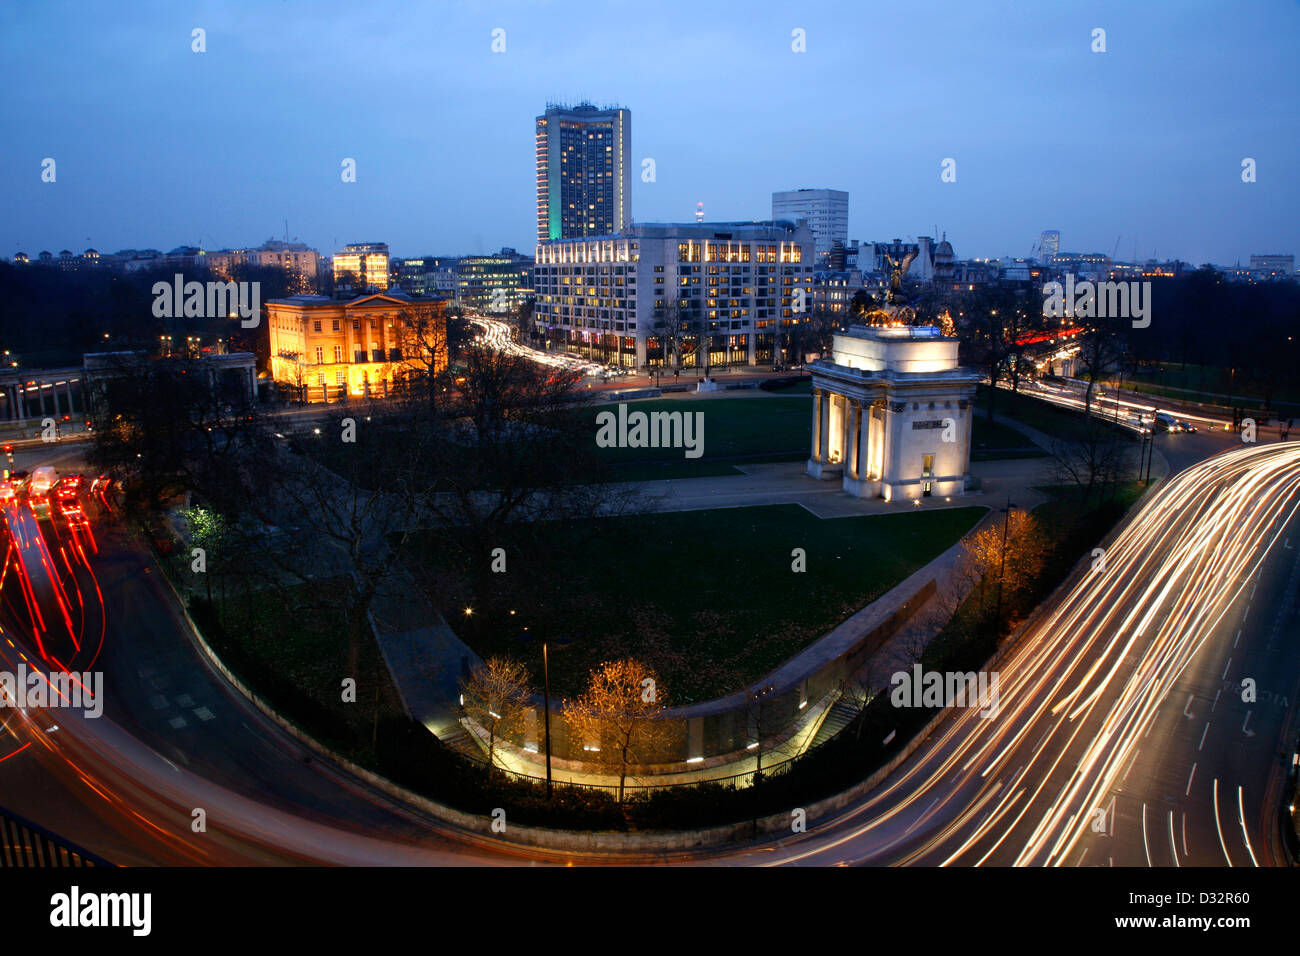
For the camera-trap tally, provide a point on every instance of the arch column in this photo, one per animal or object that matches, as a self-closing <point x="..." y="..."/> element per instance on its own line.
<point x="854" y="455"/>
<point x="817" y="426"/>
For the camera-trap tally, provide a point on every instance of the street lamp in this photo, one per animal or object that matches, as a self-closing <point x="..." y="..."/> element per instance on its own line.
<point x="546" y="695"/>
<point x="1002" y="562"/>
<point x="758" y="697"/>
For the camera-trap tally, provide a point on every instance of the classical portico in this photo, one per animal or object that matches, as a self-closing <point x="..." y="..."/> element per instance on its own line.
<point x="892" y="414"/>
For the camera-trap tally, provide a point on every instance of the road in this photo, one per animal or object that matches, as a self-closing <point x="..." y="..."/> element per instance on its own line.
<point x="1136" y="665"/>
<point x="1126" y="686"/>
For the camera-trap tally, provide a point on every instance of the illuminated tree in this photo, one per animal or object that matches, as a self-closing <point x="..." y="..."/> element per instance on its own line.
<point x="496" y="698"/>
<point x="1015" y="563"/>
<point x="616" y="716"/>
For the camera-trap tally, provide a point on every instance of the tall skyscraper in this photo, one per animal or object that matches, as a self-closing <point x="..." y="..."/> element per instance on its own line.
<point x="1049" y="245"/>
<point x="584" y="180"/>
<point x="827" y="212"/>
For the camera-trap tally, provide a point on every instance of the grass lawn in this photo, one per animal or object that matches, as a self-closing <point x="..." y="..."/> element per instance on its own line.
<point x="755" y="428"/>
<point x="992" y="440"/>
<point x="706" y="597"/>
<point x="1052" y="420"/>
<point x="763" y="429"/>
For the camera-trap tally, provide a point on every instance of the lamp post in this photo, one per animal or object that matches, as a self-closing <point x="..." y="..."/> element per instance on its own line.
<point x="1002" y="562"/>
<point x="758" y="696"/>
<point x="546" y="697"/>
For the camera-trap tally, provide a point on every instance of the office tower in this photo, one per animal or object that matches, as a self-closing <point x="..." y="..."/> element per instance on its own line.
<point x="1049" y="244"/>
<point x="827" y="212"/>
<point x="584" y="180"/>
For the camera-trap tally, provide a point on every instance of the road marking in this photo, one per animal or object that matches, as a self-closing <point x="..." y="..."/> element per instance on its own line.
<point x="1216" y="699"/>
<point x="1130" y="766"/>
<point x="1185" y="853"/>
<point x="1173" y="846"/>
<point x="1246" y="615"/>
<point x="1203" y="733"/>
<point x="889" y="738"/>
<point x="1145" y="848"/>
<point x="1222" y="845"/>
<point x="1188" y="791"/>
<point x="1246" y="836"/>
<point x="1234" y="643"/>
<point x="1190" y="697"/>
<point x="1248" y="733"/>
<point x="921" y="817"/>
<point x="1225" y="668"/>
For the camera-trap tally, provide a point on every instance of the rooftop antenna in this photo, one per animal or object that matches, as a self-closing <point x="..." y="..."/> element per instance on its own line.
<point x="286" y="230"/>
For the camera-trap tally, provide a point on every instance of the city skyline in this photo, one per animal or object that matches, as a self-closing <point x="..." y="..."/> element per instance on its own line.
<point x="150" y="148"/>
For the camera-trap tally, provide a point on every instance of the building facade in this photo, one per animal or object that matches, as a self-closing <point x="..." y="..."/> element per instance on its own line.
<point x="496" y="283"/>
<point x="665" y="295"/>
<point x="361" y="266"/>
<point x="328" y="348"/>
<point x="892" y="414"/>
<point x="1273" y="266"/>
<point x="584" y="180"/>
<point x="827" y="213"/>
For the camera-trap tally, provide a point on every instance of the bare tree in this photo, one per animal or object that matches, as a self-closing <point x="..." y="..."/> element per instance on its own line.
<point x="496" y="698"/>
<point x="1097" y="461"/>
<point x="616" y="716"/>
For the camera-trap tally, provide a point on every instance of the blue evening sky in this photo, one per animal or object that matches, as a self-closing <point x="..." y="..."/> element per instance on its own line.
<point x="157" y="146"/>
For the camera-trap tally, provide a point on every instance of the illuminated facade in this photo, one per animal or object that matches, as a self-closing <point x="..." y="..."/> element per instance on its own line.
<point x="361" y="347"/>
<point x="892" y="414"/>
<point x="361" y="266"/>
<point x="584" y="182"/>
<point x="497" y="283"/>
<point x="741" y="290"/>
<point x="827" y="212"/>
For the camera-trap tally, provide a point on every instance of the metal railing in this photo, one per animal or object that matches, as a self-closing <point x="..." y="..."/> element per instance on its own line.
<point x="26" y="844"/>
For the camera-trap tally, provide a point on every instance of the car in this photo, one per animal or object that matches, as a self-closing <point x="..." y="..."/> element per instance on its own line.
<point x="102" y="483"/>
<point x="7" y="490"/>
<point x="1165" y="423"/>
<point x="1186" y="426"/>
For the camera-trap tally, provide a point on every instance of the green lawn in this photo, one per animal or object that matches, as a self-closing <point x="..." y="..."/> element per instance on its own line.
<point x="707" y="597"/>
<point x="761" y="428"/>
<point x="992" y="440"/>
<point x="1052" y="420"/>
<point x="736" y="430"/>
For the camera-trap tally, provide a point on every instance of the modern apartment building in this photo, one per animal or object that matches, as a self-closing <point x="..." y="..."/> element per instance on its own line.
<point x="584" y="180"/>
<point x="827" y="212"/>
<point x="361" y="266"/>
<point x="668" y="295"/>
<point x="330" y="348"/>
<point x="494" y="283"/>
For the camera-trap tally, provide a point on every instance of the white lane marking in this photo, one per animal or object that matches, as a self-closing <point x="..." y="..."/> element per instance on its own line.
<point x="1241" y="811"/>
<point x="1187" y="708"/>
<point x="1203" y="733"/>
<point x="1248" y="733"/>
<point x="1217" y="825"/>
<point x="1188" y="791"/>
<point x="1185" y="853"/>
<point x="1145" y="848"/>
<point x="1234" y="643"/>
<point x="1225" y="668"/>
<point x="1130" y="766"/>
<point x="921" y="817"/>
<point x="1216" y="699"/>
<point x="1173" y="845"/>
